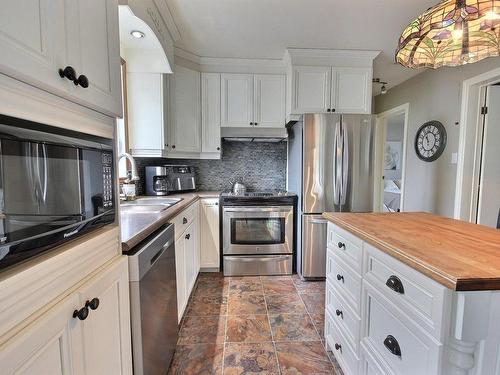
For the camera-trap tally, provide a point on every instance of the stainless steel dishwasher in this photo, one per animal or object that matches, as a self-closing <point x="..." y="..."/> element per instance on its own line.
<point x="153" y="301"/>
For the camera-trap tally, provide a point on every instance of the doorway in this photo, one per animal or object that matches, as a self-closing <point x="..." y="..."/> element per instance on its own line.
<point x="390" y="154"/>
<point x="487" y="179"/>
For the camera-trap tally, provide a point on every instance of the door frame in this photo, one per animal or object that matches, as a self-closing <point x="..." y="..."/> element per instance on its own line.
<point x="380" y="135"/>
<point x="470" y="120"/>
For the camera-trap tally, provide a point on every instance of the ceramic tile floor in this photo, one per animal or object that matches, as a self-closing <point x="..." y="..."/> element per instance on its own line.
<point x="253" y="325"/>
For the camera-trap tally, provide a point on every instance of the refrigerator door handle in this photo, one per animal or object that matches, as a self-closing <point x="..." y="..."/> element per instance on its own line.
<point x="345" y="165"/>
<point x="337" y="164"/>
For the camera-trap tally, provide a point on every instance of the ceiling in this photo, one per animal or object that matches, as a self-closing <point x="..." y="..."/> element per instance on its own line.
<point x="265" y="28"/>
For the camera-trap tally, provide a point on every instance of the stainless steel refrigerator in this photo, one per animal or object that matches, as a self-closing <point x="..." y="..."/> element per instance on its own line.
<point x="330" y="168"/>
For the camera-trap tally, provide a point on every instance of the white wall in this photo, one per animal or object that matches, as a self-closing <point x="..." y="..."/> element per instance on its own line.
<point x="433" y="95"/>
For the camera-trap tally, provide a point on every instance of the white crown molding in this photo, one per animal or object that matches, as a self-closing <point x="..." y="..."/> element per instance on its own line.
<point x="166" y="14"/>
<point x="232" y="65"/>
<point x="334" y="57"/>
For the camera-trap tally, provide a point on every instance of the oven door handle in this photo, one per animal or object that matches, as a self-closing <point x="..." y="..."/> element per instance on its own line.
<point x="259" y="209"/>
<point x="318" y="221"/>
<point x="262" y="258"/>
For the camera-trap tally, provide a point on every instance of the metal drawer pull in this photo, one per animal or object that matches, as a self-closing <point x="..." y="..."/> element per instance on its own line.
<point x="338" y="347"/>
<point x="394" y="283"/>
<point x="184" y="220"/>
<point x="339" y="313"/>
<point x="341" y="245"/>
<point x="340" y="277"/>
<point x="392" y="345"/>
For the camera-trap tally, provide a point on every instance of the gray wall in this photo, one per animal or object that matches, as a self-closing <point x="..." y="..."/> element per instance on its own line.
<point x="433" y="95"/>
<point x="260" y="165"/>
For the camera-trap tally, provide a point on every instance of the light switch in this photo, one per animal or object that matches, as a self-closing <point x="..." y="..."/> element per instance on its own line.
<point x="454" y="158"/>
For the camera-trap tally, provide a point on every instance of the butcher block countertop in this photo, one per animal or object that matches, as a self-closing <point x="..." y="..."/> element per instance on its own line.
<point x="457" y="254"/>
<point x="135" y="227"/>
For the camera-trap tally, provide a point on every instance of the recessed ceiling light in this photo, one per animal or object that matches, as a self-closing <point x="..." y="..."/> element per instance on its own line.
<point x="137" y="34"/>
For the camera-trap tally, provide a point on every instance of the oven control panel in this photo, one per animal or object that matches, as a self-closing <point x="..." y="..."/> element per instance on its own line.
<point x="107" y="179"/>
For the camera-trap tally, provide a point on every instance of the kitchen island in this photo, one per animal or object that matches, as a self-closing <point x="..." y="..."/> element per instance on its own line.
<point x="412" y="293"/>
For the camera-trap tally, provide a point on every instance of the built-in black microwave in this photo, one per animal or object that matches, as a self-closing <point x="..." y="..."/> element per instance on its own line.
<point x="55" y="185"/>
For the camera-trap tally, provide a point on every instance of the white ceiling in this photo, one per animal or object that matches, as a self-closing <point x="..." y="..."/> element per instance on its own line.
<point x="265" y="28"/>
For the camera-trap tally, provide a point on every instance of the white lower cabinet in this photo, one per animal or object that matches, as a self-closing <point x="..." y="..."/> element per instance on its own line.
<point x="187" y="254"/>
<point x="209" y="234"/>
<point x="60" y="343"/>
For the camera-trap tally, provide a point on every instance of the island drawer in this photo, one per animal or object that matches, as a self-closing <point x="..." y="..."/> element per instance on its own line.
<point x="184" y="219"/>
<point x="346" y="246"/>
<point x="344" y="279"/>
<point x="340" y="346"/>
<point x="403" y="345"/>
<point x="420" y="297"/>
<point x="343" y="315"/>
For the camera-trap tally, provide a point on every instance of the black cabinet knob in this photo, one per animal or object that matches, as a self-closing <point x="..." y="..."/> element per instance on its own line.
<point x="338" y="347"/>
<point x="68" y="73"/>
<point x="392" y="345"/>
<point x="339" y="313"/>
<point x="255" y="123"/>
<point x="184" y="220"/>
<point x="173" y="146"/>
<point x="188" y="236"/>
<point x="341" y="245"/>
<point x="333" y="109"/>
<point x="328" y="109"/>
<point x="82" y="81"/>
<point x="340" y="277"/>
<point x="251" y="123"/>
<point x="218" y="148"/>
<point x="394" y="283"/>
<point x="81" y="314"/>
<point x="93" y="304"/>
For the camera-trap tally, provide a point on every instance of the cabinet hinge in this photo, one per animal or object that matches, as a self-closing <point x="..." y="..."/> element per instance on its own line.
<point x="484" y="110"/>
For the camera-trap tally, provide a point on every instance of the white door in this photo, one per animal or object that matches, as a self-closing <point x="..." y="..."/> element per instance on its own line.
<point x="180" y="273"/>
<point x="351" y="90"/>
<point x="145" y="113"/>
<point x="94" y="50"/>
<point x="186" y="124"/>
<point x="210" y="112"/>
<point x="489" y="192"/>
<point x="269" y="100"/>
<point x="44" y="347"/>
<point x="33" y="42"/>
<point x="106" y="331"/>
<point x="209" y="221"/>
<point x="237" y="100"/>
<point x="311" y="89"/>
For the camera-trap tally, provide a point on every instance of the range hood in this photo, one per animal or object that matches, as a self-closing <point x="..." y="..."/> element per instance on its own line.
<point x="254" y="134"/>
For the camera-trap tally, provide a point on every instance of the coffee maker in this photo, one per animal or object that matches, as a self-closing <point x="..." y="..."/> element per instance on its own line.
<point x="169" y="179"/>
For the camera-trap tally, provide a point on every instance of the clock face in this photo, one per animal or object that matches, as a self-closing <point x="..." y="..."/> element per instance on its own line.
<point x="430" y="141"/>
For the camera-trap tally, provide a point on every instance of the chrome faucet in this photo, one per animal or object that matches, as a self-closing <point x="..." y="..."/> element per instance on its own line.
<point x="135" y="174"/>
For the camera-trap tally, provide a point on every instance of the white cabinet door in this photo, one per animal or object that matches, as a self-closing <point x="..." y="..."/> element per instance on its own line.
<point x="106" y="331"/>
<point x="311" y="89"/>
<point x="269" y="100"/>
<point x="94" y="51"/>
<point x="186" y="122"/>
<point x="210" y="112"/>
<point x="44" y="347"/>
<point x="351" y="90"/>
<point x="145" y="113"/>
<point x="209" y="232"/>
<point x="237" y="100"/>
<point x="33" y="42"/>
<point x="180" y="269"/>
<point x="190" y="238"/>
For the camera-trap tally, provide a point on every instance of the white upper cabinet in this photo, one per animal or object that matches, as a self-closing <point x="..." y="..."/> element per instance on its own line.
<point x="269" y="100"/>
<point x="185" y="126"/>
<point x="210" y="114"/>
<point x="237" y="100"/>
<point x="253" y="100"/>
<point x="38" y="38"/>
<point x="94" y="33"/>
<point x="351" y="90"/>
<point x="146" y="114"/>
<point x="311" y="89"/>
<point x="323" y="89"/>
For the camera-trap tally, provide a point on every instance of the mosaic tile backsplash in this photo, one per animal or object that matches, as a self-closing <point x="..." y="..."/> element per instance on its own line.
<point x="259" y="165"/>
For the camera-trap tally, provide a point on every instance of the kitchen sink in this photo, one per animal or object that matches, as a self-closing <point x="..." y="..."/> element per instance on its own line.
<point x="143" y="208"/>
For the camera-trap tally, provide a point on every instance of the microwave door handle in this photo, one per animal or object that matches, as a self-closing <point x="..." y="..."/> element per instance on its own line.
<point x="45" y="166"/>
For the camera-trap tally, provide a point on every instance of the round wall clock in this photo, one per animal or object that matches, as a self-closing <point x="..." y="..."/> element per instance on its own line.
<point x="430" y="141"/>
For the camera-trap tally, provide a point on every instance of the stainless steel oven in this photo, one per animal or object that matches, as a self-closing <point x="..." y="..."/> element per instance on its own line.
<point x="257" y="234"/>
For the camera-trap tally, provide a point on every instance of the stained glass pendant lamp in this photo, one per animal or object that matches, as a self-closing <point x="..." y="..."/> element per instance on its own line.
<point x="451" y="33"/>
